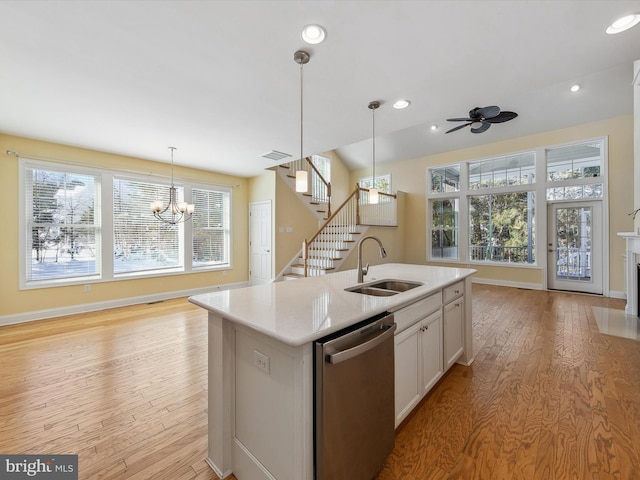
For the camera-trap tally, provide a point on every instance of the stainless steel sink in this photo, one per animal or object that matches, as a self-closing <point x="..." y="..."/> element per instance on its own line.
<point x="395" y="285"/>
<point x="384" y="288"/>
<point x="376" y="292"/>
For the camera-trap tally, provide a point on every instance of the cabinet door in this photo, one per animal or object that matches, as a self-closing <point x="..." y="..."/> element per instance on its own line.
<point x="407" y="382"/>
<point x="453" y="332"/>
<point x="431" y="350"/>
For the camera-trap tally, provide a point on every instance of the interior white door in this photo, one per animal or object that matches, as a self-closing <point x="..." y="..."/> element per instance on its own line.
<point x="260" y="242"/>
<point x="575" y="247"/>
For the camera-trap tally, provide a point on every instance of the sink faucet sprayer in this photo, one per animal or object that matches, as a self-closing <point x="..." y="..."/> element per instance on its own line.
<point x="362" y="271"/>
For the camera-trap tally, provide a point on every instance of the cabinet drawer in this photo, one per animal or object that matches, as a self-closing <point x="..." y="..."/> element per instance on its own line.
<point x="452" y="292"/>
<point x="417" y="311"/>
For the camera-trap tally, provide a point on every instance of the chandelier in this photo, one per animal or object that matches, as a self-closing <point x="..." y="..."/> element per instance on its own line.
<point x="174" y="212"/>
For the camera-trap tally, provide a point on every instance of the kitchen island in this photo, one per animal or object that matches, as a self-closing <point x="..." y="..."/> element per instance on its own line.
<point x="261" y="357"/>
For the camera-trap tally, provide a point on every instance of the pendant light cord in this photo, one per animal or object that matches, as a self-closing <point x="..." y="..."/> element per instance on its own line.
<point x="373" y="169"/>
<point x="301" y="116"/>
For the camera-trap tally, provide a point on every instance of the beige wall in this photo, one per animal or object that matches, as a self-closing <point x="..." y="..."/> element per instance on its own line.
<point x="410" y="176"/>
<point x="341" y="186"/>
<point x="393" y="239"/>
<point x="294" y="222"/>
<point x="14" y="301"/>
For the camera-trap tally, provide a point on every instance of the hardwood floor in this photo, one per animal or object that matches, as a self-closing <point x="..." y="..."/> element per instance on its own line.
<point x="547" y="397"/>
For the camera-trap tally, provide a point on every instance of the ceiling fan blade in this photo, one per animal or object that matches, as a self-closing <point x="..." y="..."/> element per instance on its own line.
<point x="459" y="119"/>
<point x="458" y="127"/>
<point x="503" y="117"/>
<point x="488" y="112"/>
<point x="482" y="128"/>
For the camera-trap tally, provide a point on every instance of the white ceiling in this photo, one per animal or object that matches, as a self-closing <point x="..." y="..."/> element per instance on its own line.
<point x="217" y="79"/>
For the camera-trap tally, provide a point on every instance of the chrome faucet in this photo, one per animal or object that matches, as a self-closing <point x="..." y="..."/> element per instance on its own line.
<point x="362" y="271"/>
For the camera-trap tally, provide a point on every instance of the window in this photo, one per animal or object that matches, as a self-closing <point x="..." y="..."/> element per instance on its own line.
<point x="501" y="227"/>
<point x="444" y="228"/>
<point x="319" y="188"/>
<point x="445" y="179"/>
<point x="140" y="242"/>
<point x="486" y="210"/>
<point x="502" y="171"/>
<point x="62" y="228"/>
<point x="383" y="184"/>
<point x="497" y="196"/>
<point x="571" y="170"/>
<point x="211" y="232"/>
<point x="65" y="238"/>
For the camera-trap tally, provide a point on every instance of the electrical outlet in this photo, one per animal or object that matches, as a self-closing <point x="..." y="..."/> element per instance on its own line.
<point x="87" y="288"/>
<point x="261" y="361"/>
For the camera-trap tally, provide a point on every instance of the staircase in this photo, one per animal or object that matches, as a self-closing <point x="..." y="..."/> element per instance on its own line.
<point x="340" y="231"/>
<point x="319" y="200"/>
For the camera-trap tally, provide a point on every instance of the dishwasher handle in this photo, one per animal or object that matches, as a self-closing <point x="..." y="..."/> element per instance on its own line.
<point x="362" y="347"/>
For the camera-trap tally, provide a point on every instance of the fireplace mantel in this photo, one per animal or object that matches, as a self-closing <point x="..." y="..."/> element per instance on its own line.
<point x="632" y="240"/>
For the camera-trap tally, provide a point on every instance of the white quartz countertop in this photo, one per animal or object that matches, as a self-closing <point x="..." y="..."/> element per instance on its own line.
<point x="300" y="311"/>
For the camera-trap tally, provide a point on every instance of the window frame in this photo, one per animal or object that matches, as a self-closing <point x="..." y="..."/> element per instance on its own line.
<point x="539" y="187"/>
<point x="106" y="230"/>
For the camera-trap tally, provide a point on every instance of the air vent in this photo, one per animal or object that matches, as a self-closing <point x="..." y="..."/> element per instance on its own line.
<point x="275" y="155"/>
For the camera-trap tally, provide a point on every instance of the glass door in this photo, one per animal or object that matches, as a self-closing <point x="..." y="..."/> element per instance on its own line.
<point x="574" y="258"/>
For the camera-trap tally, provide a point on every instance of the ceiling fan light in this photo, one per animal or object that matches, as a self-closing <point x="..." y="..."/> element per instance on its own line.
<point x="622" y="24"/>
<point x="433" y="128"/>
<point x="314" y="34"/>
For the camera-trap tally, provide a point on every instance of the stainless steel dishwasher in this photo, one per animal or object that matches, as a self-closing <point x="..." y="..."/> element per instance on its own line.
<point x="354" y="400"/>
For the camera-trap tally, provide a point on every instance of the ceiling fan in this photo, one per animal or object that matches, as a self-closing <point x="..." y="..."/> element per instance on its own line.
<point x="482" y="117"/>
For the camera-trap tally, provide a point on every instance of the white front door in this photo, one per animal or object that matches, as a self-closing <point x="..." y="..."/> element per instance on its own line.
<point x="260" y="242"/>
<point x="575" y="246"/>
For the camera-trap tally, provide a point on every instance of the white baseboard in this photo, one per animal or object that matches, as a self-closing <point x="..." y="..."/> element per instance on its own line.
<point x="120" y="302"/>
<point x="617" y="294"/>
<point x="503" y="283"/>
<point x="533" y="286"/>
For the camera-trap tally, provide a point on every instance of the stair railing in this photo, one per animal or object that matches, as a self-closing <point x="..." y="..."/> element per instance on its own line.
<point x="320" y="188"/>
<point x="384" y="213"/>
<point x="319" y="252"/>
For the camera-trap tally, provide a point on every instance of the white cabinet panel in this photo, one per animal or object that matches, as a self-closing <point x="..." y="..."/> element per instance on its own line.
<point x="431" y="350"/>
<point x="407" y="380"/>
<point x="453" y="332"/>
<point x="409" y="315"/>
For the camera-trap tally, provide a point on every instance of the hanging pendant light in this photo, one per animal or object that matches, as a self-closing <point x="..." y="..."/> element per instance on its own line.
<point x="174" y="212"/>
<point x="302" y="179"/>
<point x="373" y="191"/>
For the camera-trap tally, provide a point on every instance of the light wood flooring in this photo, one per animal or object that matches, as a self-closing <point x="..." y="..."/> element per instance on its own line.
<point x="547" y="397"/>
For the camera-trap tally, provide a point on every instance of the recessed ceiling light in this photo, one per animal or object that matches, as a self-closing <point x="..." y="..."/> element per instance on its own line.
<point x="622" y="24"/>
<point x="400" y="104"/>
<point x="575" y="88"/>
<point x="314" y="34"/>
<point x="433" y="127"/>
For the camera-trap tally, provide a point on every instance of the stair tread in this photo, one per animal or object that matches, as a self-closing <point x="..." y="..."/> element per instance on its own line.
<point x="284" y="166"/>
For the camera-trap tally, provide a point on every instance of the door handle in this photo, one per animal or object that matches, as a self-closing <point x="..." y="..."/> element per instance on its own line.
<point x="363" y="347"/>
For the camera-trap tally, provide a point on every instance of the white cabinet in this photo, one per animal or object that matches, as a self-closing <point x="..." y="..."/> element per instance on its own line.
<point x="418" y="353"/>
<point x="431" y="350"/>
<point x="453" y="320"/>
<point x="407" y="376"/>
